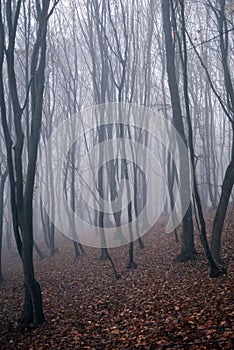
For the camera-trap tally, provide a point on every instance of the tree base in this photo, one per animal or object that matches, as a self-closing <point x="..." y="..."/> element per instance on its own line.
<point x="28" y="316"/>
<point x="104" y="254"/>
<point x="132" y="265"/>
<point x="118" y="276"/>
<point x="141" y="244"/>
<point x="183" y="257"/>
<point x="218" y="270"/>
<point x="103" y="257"/>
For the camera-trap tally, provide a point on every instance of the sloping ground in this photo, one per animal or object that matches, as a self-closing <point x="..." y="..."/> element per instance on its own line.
<point x="160" y="305"/>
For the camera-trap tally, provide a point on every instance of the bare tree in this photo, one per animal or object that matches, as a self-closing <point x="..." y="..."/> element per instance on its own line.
<point x="3" y="176"/>
<point x="22" y="186"/>
<point x="228" y="180"/>
<point x="188" y="250"/>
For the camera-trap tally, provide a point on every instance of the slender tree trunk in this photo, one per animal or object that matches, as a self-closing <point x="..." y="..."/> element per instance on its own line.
<point x="220" y="214"/>
<point x="228" y="181"/>
<point x="188" y="249"/>
<point x="2" y="184"/>
<point x="22" y="189"/>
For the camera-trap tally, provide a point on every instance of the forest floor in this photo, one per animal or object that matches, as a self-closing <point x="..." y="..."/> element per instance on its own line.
<point x="159" y="305"/>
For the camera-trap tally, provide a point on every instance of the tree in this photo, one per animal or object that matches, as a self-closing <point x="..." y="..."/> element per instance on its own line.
<point x="228" y="180"/>
<point x="22" y="176"/>
<point x="3" y="176"/>
<point x="215" y="270"/>
<point x="188" y="249"/>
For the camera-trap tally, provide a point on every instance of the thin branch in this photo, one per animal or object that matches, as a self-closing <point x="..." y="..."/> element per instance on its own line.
<point x="209" y="79"/>
<point x="211" y="39"/>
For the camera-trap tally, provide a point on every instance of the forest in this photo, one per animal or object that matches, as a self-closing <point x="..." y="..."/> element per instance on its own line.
<point x="116" y="174"/>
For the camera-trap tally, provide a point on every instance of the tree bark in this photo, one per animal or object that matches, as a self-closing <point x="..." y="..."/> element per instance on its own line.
<point x="220" y="214"/>
<point x="228" y="181"/>
<point x="188" y="249"/>
<point x="2" y="184"/>
<point x="22" y="189"/>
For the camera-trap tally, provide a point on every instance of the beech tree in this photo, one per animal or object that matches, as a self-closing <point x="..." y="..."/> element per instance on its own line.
<point x="188" y="249"/>
<point x="3" y="176"/>
<point x="168" y="8"/>
<point x="21" y="173"/>
<point x="228" y="107"/>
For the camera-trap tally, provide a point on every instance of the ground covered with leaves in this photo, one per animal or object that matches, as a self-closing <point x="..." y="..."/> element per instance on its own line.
<point x="159" y="305"/>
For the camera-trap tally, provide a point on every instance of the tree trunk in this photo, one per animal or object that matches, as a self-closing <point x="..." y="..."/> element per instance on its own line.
<point x="22" y="188"/>
<point x="188" y="249"/>
<point x="221" y="212"/>
<point x="2" y="184"/>
<point x="229" y="175"/>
